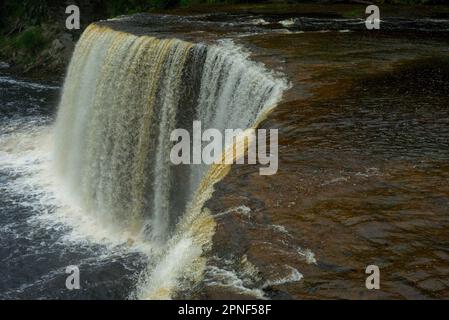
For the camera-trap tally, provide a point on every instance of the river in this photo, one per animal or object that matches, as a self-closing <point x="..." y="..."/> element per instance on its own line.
<point x="363" y="162"/>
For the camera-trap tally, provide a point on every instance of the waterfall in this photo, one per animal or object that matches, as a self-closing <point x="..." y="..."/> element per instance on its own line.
<point x="122" y="97"/>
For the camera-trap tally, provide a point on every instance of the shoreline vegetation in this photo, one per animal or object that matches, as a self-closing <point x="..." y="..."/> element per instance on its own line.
<point x="34" y="41"/>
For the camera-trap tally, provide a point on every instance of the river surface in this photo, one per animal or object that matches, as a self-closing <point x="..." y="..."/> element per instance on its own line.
<point x="362" y="180"/>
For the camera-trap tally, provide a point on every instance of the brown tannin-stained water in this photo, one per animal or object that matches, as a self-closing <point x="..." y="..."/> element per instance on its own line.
<point x="363" y="174"/>
<point x="363" y="162"/>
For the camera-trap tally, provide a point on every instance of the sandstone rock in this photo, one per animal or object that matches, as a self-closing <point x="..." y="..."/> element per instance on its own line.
<point x="4" y="65"/>
<point x="56" y="46"/>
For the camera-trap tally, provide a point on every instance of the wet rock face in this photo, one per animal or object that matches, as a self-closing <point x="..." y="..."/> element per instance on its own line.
<point x="4" y="65"/>
<point x="49" y="17"/>
<point x="61" y="50"/>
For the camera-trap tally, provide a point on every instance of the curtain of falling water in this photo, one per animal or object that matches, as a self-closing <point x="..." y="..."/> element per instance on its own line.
<point x="122" y="97"/>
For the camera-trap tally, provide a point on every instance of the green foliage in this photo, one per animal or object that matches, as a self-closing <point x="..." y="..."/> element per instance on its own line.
<point x="30" y="11"/>
<point x="355" y="13"/>
<point x="32" y="39"/>
<point x="119" y="7"/>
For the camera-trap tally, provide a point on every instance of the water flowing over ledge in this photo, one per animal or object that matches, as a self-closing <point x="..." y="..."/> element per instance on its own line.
<point x="122" y="97"/>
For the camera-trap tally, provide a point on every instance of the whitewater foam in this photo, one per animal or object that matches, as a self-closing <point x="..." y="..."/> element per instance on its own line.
<point x="122" y="97"/>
